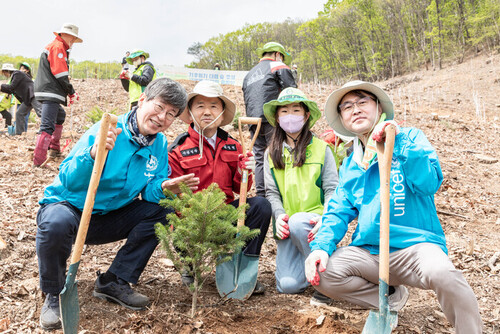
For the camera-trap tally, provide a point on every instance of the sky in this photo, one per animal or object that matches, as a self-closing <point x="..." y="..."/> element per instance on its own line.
<point x="165" y="28"/>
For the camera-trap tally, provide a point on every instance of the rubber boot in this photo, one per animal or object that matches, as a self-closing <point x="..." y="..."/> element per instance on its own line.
<point x="55" y="146"/>
<point x="42" y="145"/>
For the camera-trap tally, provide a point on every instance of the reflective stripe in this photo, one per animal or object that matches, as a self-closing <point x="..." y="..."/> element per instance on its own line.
<point x="62" y="74"/>
<point x="56" y="96"/>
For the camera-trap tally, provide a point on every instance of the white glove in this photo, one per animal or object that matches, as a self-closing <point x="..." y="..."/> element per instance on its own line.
<point x="316" y="221"/>
<point x="282" y="230"/>
<point x="246" y="162"/>
<point x="317" y="258"/>
<point x="378" y="134"/>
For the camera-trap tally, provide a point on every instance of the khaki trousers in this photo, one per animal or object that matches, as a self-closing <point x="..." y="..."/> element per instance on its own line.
<point x="352" y="275"/>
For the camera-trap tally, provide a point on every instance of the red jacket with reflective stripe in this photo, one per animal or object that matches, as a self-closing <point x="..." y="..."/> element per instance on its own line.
<point x="219" y="165"/>
<point x="52" y="80"/>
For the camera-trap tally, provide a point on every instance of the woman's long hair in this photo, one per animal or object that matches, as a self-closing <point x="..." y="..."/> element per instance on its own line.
<point x="299" y="152"/>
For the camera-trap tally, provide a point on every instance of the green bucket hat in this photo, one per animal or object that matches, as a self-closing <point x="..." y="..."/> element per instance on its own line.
<point x="276" y="47"/>
<point x="288" y="96"/>
<point x="25" y="64"/>
<point x="136" y="53"/>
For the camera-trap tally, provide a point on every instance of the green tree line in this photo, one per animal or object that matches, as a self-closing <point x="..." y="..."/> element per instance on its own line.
<point x="79" y="70"/>
<point x="365" y="39"/>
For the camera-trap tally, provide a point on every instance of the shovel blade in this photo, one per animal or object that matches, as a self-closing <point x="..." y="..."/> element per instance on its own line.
<point x="236" y="279"/>
<point x="68" y="302"/>
<point x="379" y="324"/>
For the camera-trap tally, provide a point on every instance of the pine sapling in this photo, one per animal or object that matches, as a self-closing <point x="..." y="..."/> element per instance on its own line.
<point x="202" y="233"/>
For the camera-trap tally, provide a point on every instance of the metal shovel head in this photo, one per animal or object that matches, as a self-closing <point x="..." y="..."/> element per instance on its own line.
<point x="236" y="279"/>
<point x="68" y="302"/>
<point x="381" y="321"/>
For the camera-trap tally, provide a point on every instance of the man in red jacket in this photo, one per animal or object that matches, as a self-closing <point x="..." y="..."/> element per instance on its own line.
<point x="52" y="87"/>
<point x="213" y="156"/>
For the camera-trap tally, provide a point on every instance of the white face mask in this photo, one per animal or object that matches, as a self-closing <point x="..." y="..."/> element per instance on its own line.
<point x="137" y="62"/>
<point x="292" y="123"/>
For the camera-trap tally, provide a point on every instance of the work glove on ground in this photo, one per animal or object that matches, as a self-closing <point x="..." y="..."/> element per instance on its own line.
<point x="317" y="259"/>
<point x="378" y="134"/>
<point x="316" y="222"/>
<point x="282" y="229"/>
<point x="246" y="162"/>
<point x="74" y="98"/>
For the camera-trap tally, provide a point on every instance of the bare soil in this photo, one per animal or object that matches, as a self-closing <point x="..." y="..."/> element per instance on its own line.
<point x="457" y="107"/>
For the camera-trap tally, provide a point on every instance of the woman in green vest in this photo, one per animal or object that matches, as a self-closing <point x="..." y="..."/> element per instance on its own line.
<point x="135" y="82"/>
<point x="300" y="175"/>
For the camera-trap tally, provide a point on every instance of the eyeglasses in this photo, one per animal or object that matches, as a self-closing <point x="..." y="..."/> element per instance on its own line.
<point x="170" y="115"/>
<point x="362" y="103"/>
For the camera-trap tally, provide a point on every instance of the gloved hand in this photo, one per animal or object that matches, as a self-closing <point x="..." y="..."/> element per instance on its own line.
<point x="246" y="162"/>
<point x="282" y="229"/>
<point x="317" y="258"/>
<point x="123" y="75"/>
<point x="378" y="134"/>
<point x="73" y="98"/>
<point x="316" y="222"/>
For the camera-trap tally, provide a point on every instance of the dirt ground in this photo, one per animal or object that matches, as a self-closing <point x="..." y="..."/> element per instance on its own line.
<point x="458" y="108"/>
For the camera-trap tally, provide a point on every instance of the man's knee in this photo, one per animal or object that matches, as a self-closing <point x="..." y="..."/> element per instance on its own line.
<point x="260" y="206"/>
<point x="289" y="285"/>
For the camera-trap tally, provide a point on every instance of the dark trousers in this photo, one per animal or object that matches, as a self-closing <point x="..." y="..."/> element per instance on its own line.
<point x="8" y="117"/>
<point x="52" y="113"/>
<point x="22" y="115"/>
<point x="261" y="143"/>
<point x="257" y="216"/>
<point x="58" y="226"/>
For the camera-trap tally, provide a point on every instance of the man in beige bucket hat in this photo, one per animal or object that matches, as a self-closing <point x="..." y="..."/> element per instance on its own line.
<point x="213" y="156"/>
<point x="52" y="88"/>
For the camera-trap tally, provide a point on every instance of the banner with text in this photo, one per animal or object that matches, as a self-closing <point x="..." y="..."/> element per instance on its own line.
<point x="222" y="77"/>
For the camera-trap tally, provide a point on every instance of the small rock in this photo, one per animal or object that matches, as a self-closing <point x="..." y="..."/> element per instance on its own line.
<point x="320" y="320"/>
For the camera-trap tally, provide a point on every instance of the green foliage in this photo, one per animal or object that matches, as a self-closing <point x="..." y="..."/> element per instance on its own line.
<point x="202" y="233"/>
<point x="94" y="115"/>
<point x="234" y="123"/>
<point x="365" y="39"/>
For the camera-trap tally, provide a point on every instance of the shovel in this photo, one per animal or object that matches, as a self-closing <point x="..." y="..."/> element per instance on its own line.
<point x="11" y="129"/>
<point x="236" y="279"/>
<point x="383" y="321"/>
<point x="68" y="299"/>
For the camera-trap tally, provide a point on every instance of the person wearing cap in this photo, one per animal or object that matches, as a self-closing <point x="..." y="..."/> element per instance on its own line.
<point x="300" y="176"/>
<point x="53" y="89"/>
<point x="21" y="86"/>
<point x="137" y="164"/>
<point x="125" y="65"/>
<point x="212" y="155"/>
<point x="418" y="253"/>
<point x="263" y="83"/>
<point x="135" y="82"/>
<point x="295" y="72"/>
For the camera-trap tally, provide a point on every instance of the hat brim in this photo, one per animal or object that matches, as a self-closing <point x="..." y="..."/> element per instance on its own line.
<point x="271" y="106"/>
<point x="287" y="58"/>
<point x="333" y="117"/>
<point x="133" y="55"/>
<point x="77" y="40"/>
<point x="229" y="110"/>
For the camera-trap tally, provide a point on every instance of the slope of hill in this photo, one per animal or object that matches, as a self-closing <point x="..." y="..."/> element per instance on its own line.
<point x="457" y="108"/>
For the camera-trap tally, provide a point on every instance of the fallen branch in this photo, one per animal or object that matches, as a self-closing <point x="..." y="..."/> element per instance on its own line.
<point x="452" y="214"/>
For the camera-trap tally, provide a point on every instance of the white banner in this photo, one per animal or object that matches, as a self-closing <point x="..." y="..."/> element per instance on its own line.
<point x="222" y="77"/>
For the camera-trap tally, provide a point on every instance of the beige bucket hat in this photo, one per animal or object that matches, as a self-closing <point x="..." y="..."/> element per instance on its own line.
<point x="331" y="107"/>
<point x="8" y="67"/>
<point x="211" y="89"/>
<point x="70" y="29"/>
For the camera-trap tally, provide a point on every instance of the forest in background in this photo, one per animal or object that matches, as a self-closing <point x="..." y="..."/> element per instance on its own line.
<point x="350" y="39"/>
<point x="365" y="39"/>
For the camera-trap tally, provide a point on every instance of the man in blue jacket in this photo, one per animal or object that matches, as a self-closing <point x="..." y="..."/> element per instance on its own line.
<point x="137" y="164"/>
<point x="418" y="254"/>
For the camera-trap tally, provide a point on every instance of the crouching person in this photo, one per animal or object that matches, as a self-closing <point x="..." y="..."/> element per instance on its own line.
<point x="137" y="164"/>
<point x="213" y="156"/>
<point x="418" y="253"/>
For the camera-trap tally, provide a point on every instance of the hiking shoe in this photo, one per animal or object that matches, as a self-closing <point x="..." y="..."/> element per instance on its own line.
<point x="398" y="299"/>
<point x="319" y="299"/>
<point x="259" y="289"/>
<point x="50" y="316"/>
<point x="119" y="291"/>
<point x="186" y="278"/>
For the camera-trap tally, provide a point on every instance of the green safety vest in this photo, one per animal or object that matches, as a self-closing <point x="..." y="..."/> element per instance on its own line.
<point x="301" y="187"/>
<point x="134" y="89"/>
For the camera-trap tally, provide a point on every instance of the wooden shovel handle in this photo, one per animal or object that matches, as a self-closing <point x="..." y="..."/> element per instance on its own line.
<point x="100" y="159"/>
<point x="244" y="178"/>
<point x="384" y="154"/>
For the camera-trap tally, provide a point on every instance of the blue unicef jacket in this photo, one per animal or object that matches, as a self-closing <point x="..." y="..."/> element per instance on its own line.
<point x="129" y="170"/>
<point x="415" y="177"/>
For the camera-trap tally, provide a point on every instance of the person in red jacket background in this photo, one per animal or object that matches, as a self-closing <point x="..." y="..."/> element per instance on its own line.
<point x="52" y="87"/>
<point x="213" y="156"/>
